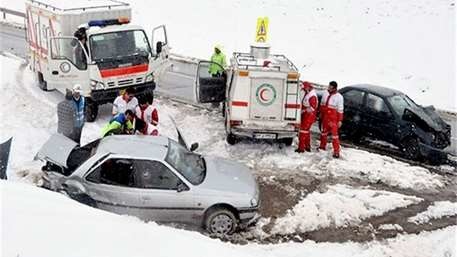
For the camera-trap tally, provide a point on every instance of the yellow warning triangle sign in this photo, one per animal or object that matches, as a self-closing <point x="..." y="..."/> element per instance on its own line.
<point x="262" y="30"/>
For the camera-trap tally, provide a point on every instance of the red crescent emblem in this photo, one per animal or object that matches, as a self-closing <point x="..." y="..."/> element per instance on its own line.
<point x="261" y="95"/>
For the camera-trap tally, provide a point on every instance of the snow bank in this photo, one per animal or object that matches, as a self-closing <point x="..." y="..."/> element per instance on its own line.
<point x="340" y="206"/>
<point x="435" y="211"/>
<point x="37" y="222"/>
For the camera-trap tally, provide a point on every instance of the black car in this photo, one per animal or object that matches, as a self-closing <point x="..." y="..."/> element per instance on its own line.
<point x="389" y="115"/>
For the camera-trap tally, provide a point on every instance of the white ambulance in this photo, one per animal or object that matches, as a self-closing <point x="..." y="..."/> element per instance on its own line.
<point x="116" y="54"/>
<point x="260" y="92"/>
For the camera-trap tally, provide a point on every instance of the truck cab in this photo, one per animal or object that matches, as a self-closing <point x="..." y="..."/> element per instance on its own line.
<point x="262" y="96"/>
<point x="114" y="54"/>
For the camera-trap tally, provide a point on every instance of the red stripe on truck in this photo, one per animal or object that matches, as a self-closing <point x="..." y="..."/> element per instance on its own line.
<point x="293" y="106"/>
<point x="123" y="71"/>
<point x="239" y="103"/>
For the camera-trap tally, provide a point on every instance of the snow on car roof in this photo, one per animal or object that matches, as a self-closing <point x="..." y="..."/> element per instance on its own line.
<point x="135" y="146"/>
<point x="379" y="90"/>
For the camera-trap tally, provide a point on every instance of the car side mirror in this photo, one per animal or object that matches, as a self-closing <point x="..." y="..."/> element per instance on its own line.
<point x="407" y="115"/>
<point x="159" y="45"/>
<point x="193" y="147"/>
<point x="181" y="187"/>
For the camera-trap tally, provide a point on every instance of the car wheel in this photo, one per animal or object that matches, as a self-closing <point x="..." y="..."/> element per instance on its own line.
<point x="221" y="221"/>
<point x="231" y="139"/>
<point x="91" y="110"/>
<point x="287" y="141"/>
<point x="410" y="148"/>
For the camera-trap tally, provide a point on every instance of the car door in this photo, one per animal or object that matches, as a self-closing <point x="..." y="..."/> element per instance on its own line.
<point x="68" y="63"/>
<point x="209" y="89"/>
<point x="110" y="183"/>
<point x="164" y="196"/>
<point x="380" y="120"/>
<point x="353" y="105"/>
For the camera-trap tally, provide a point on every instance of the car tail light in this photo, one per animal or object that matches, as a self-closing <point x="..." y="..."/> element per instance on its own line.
<point x="243" y="73"/>
<point x="292" y="75"/>
<point x="235" y="123"/>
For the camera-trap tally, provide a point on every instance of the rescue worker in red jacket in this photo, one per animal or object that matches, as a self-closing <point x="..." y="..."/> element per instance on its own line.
<point x="308" y="117"/>
<point x="331" y="114"/>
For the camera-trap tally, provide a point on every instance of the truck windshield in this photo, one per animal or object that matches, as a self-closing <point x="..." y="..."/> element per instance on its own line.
<point x="190" y="165"/>
<point x="115" y="45"/>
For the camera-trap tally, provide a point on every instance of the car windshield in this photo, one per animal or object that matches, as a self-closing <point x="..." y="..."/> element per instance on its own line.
<point x="400" y="103"/>
<point x="109" y="46"/>
<point x="190" y="165"/>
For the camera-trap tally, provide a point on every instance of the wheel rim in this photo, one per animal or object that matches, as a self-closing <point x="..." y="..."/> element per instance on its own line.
<point x="221" y="224"/>
<point x="411" y="149"/>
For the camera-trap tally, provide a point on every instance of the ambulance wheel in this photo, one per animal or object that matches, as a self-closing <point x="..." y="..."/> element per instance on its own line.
<point x="41" y="82"/>
<point x="287" y="141"/>
<point x="231" y="139"/>
<point x="91" y="110"/>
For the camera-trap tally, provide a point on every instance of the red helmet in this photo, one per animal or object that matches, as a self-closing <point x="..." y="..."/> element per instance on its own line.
<point x="306" y="85"/>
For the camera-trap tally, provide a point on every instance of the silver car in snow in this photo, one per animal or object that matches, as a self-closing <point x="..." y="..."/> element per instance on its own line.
<point x="153" y="178"/>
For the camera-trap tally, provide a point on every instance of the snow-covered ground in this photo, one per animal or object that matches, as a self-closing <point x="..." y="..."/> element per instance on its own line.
<point x="407" y="45"/>
<point x="349" y="206"/>
<point x="37" y="118"/>
<point x="43" y="223"/>
<point x="435" y="211"/>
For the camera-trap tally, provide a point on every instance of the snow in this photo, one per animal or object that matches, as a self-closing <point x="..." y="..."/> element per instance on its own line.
<point x="406" y="45"/>
<point x="390" y="227"/>
<point x="20" y="92"/>
<point x="349" y="206"/>
<point x="435" y="211"/>
<point x="43" y="223"/>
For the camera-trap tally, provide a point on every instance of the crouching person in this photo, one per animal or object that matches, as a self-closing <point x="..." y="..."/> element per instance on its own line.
<point x="145" y="128"/>
<point x="121" y="123"/>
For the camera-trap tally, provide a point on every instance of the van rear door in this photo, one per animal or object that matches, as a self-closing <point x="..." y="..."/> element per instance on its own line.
<point x="209" y="89"/>
<point x="267" y="97"/>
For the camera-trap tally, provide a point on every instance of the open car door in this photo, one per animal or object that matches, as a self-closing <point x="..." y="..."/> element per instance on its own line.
<point x="5" y="148"/>
<point x="68" y="62"/>
<point x="159" y="42"/>
<point x="209" y="89"/>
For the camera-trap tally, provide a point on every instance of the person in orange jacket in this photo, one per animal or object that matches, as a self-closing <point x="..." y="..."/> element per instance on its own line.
<point x="331" y="113"/>
<point x="308" y="117"/>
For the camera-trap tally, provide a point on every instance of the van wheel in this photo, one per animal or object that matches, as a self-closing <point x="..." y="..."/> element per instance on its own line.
<point x="41" y="82"/>
<point x="410" y="148"/>
<point x="287" y="141"/>
<point x="220" y="221"/>
<point x="91" y="110"/>
<point x="231" y="139"/>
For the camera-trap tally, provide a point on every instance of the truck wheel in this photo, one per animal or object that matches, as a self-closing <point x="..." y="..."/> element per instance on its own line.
<point x="91" y="110"/>
<point x="41" y="82"/>
<point x="287" y="141"/>
<point x="231" y="139"/>
<point x="410" y="148"/>
<point x="220" y="221"/>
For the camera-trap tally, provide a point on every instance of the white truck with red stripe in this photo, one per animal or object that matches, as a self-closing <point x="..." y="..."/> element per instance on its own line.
<point x="115" y="55"/>
<point x="260" y="93"/>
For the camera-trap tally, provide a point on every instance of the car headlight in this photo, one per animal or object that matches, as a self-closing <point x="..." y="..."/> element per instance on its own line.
<point x="95" y="85"/>
<point x="254" y="202"/>
<point x="150" y="77"/>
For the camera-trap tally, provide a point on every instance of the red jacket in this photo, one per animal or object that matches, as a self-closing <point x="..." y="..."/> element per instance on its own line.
<point x="332" y="107"/>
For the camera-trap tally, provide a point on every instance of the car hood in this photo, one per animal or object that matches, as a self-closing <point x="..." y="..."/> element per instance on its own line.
<point x="430" y="117"/>
<point x="228" y="176"/>
<point x="56" y="150"/>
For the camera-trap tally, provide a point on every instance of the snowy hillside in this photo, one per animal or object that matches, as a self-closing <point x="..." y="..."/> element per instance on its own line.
<point x="407" y="45"/>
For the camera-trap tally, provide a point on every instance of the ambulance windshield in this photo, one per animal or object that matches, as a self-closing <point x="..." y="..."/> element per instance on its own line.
<point x="115" y="46"/>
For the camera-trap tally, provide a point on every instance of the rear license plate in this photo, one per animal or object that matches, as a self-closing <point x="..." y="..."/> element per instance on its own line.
<point x="264" y="136"/>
